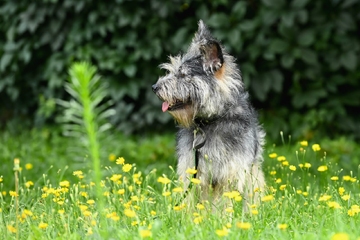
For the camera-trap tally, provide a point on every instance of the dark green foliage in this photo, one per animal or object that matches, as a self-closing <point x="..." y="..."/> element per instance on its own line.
<point x="299" y="59"/>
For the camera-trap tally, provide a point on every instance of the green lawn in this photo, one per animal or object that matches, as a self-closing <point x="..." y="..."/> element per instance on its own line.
<point x="311" y="194"/>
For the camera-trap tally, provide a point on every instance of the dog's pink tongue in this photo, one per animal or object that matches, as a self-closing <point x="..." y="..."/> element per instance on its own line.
<point x="165" y="106"/>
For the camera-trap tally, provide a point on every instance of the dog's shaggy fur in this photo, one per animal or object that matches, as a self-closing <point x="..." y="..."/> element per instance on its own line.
<point x="204" y="92"/>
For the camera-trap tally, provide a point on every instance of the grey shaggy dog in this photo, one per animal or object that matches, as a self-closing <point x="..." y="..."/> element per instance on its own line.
<point x="219" y="132"/>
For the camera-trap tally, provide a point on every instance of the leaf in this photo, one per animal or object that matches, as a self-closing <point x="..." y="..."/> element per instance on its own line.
<point x="269" y="17"/>
<point x="239" y="9"/>
<point x="248" y="25"/>
<point x="278" y="46"/>
<point x="299" y="3"/>
<point x="5" y="60"/>
<point x="306" y="38"/>
<point x="287" y="60"/>
<point x="218" y="20"/>
<point x="276" y="4"/>
<point x="349" y="60"/>
<point x="130" y="70"/>
<point x="287" y="19"/>
<point x="309" y="56"/>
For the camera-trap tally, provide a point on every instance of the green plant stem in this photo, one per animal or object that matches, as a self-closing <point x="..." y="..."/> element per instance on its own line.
<point x="90" y="126"/>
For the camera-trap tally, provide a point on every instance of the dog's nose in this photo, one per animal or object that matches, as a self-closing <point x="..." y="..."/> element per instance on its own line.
<point x="155" y="88"/>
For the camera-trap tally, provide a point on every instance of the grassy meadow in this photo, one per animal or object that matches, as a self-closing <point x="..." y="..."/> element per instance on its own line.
<point x="313" y="192"/>
<point x="99" y="184"/>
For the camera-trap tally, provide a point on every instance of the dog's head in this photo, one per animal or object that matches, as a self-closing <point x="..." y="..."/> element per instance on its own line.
<point x="202" y="83"/>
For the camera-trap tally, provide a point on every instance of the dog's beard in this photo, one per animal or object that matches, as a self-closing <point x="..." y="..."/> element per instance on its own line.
<point x="184" y="116"/>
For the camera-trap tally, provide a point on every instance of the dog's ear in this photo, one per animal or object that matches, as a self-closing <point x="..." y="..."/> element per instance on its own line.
<point x="212" y="56"/>
<point x="210" y="49"/>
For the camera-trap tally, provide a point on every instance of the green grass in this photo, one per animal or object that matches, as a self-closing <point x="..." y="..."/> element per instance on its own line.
<point x="59" y="205"/>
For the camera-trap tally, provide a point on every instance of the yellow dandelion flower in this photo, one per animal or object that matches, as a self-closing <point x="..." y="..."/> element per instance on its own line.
<point x="1" y="179"/>
<point x="298" y="191"/>
<point x="191" y="171"/>
<point x="153" y="213"/>
<point x="322" y="168"/>
<point x="285" y="163"/>
<point x="278" y="180"/>
<point x="110" y="215"/>
<point x="222" y="232"/>
<point x="197" y="220"/>
<point x="134" y="223"/>
<point x="307" y="165"/>
<point x="29" y="166"/>
<point x="90" y="202"/>
<point x="121" y="191"/>
<point x="292" y="168"/>
<point x="273" y="173"/>
<point x="13" y="194"/>
<point x="86" y="213"/>
<point x="254" y="212"/>
<point x="89" y="232"/>
<point x="238" y="198"/>
<point x="144" y="233"/>
<point x="243" y="225"/>
<point x="231" y="194"/>
<point x="179" y="207"/>
<point x="195" y="181"/>
<point x="346" y="178"/>
<point x="345" y="197"/>
<point x="178" y="189"/>
<point x="305" y="194"/>
<point x="127" y="167"/>
<point x="267" y="198"/>
<point x="301" y="165"/>
<point x="163" y="180"/>
<point x="120" y="161"/>
<point x="272" y="155"/>
<point x="282" y="187"/>
<point x="129" y="213"/>
<point x="65" y="184"/>
<point x="112" y="157"/>
<point x="340" y="236"/>
<point x="281" y="158"/>
<point x="324" y="198"/>
<point x="283" y="226"/>
<point x="200" y="206"/>
<point x="77" y="173"/>
<point x="229" y="210"/>
<point x="341" y="191"/>
<point x="115" y="177"/>
<point x="83" y="207"/>
<point x="135" y="198"/>
<point x="333" y="204"/>
<point x="28" y="184"/>
<point x="11" y="228"/>
<point x="316" y="147"/>
<point x="27" y="212"/>
<point x="304" y="143"/>
<point x="352" y="179"/>
<point x="166" y="194"/>
<point x="106" y="193"/>
<point x="43" y="225"/>
<point x="334" y="178"/>
<point x="84" y="194"/>
<point x="355" y="209"/>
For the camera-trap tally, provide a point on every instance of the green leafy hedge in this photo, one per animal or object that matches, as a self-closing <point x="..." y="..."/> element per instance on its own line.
<point x="299" y="59"/>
